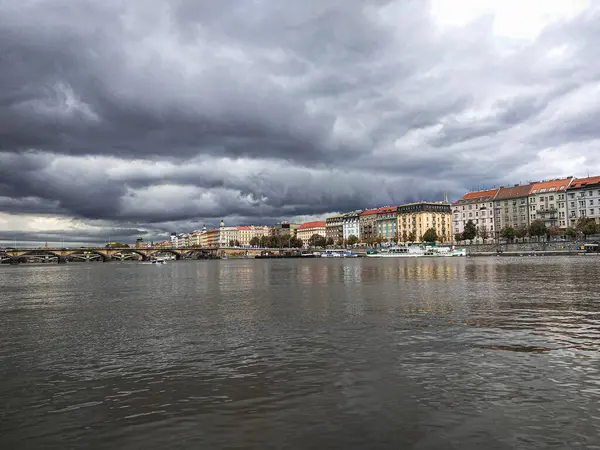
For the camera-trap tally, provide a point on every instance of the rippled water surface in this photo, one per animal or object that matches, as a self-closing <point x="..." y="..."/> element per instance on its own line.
<point x="487" y="353"/>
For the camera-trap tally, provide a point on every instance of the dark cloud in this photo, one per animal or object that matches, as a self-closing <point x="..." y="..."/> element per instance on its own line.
<point x="162" y="115"/>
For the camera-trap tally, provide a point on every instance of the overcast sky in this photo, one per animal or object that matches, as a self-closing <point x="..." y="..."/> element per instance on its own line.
<point x="126" y="118"/>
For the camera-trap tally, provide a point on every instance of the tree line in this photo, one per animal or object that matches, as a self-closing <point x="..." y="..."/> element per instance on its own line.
<point x="537" y="229"/>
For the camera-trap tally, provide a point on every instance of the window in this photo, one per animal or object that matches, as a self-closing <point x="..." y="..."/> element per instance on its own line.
<point x="572" y="204"/>
<point x="590" y="193"/>
<point x="591" y="211"/>
<point x="543" y="190"/>
<point x="551" y="198"/>
<point x="591" y="202"/>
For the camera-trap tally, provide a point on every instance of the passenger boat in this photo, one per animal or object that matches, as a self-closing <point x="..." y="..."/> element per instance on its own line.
<point x="412" y="251"/>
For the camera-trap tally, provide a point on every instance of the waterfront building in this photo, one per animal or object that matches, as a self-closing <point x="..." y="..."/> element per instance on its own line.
<point x="334" y="228"/>
<point x="477" y="206"/>
<point x="368" y="225"/>
<point x="583" y="197"/>
<point x="195" y="238"/>
<point x="351" y="224"/>
<point x="260" y="231"/>
<point x="308" y="229"/>
<point x="285" y="229"/>
<point x="387" y="223"/>
<point x="204" y="238"/>
<point x="173" y="240"/>
<point x="213" y="238"/>
<point x="419" y="217"/>
<point x="227" y="235"/>
<point x="511" y="207"/>
<point x="245" y="235"/>
<point x="548" y="202"/>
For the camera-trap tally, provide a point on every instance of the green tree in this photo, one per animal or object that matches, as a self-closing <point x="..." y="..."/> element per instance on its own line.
<point x="329" y="241"/>
<point x="570" y="232"/>
<point x="340" y="242"/>
<point x="232" y="243"/>
<point x="255" y="241"/>
<point x="352" y="240"/>
<point x="483" y="232"/>
<point x="316" y="240"/>
<point x="521" y="232"/>
<point x="538" y="229"/>
<point x="116" y="245"/>
<point x="470" y="231"/>
<point x="508" y="233"/>
<point x="586" y="226"/>
<point x="412" y="236"/>
<point x="237" y="243"/>
<point x="458" y="237"/>
<point x="430" y="235"/>
<point x="404" y="236"/>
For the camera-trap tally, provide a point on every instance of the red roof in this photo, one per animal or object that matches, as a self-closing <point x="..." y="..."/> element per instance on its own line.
<point x="550" y="186"/>
<point x="387" y="209"/>
<point x="370" y="211"/>
<point x="244" y="227"/>
<point x="478" y="196"/>
<point x="579" y="183"/>
<point x="312" y="225"/>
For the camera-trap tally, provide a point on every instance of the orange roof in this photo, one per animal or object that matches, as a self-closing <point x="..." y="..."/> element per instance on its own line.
<point x="478" y="196"/>
<point x="317" y="224"/>
<point x="370" y="211"/>
<point x="550" y="186"/>
<point x="579" y="183"/>
<point x="387" y="209"/>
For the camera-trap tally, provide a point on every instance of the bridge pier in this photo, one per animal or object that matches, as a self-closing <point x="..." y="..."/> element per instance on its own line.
<point x="13" y="261"/>
<point x="62" y="260"/>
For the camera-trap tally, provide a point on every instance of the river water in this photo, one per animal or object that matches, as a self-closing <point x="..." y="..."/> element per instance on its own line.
<point x="494" y="353"/>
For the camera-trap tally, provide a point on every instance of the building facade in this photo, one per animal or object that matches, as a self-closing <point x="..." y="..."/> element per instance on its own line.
<point x="511" y="207"/>
<point x="308" y="229"/>
<point x="213" y="238"/>
<point x="583" y="200"/>
<point x="368" y="225"/>
<point x="387" y="223"/>
<point x="477" y="206"/>
<point x="351" y="224"/>
<point x="334" y="228"/>
<point x="548" y="202"/>
<point x="419" y="217"/>
<point x="284" y="229"/>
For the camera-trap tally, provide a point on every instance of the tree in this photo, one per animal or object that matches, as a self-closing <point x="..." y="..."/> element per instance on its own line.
<point x="508" y="233"/>
<point x="237" y="243"/>
<point x="483" y="232"/>
<point x="316" y="240"/>
<point x="520" y="232"/>
<point x="340" y="242"/>
<point x="255" y="241"/>
<point x="586" y="226"/>
<point x="329" y="241"/>
<point x="538" y="228"/>
<point x="116" y="245"/>
<point x="570" y="232"/>
<point x="404" y="236"/>
<point x="352" y="240"/>
<point x="458" y="237"/>
<point x="470" y="231"/>
<point x="430" y="235"/>
<point x="555" y="231"/>
<point x="294" y="242"/>
<point x="412" y="236"/>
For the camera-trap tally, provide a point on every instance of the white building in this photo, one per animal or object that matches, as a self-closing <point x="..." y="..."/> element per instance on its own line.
<point x="548" y="202"/>
<point x="227" y="234"/>
<point x="583" y="197"/>
<point x="476" y="206"/>
<point x="351" y="224"/>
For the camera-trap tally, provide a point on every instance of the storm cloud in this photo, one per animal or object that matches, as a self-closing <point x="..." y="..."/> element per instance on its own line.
<point x="141" y="118"/>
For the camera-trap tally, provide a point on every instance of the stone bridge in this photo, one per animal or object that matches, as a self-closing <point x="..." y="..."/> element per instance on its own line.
<point x="15" y="255"/>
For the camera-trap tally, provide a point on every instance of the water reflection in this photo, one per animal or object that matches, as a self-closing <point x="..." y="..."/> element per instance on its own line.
<point x="357" y="353"/>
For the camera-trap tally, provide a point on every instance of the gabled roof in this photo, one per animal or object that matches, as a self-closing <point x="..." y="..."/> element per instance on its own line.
<point x="579" y="183"/>
<point x="478" y="196"/>
<point x="550" y="186"/>
<point x="368" y="212"/>
<point x="516" y="191"/>
<point x="316" y="224"/>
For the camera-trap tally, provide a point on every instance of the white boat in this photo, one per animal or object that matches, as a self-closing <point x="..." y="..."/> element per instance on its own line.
<point x="330" y="254"/>
<point x="413" y="251"/>
<point x="158" y="261"/>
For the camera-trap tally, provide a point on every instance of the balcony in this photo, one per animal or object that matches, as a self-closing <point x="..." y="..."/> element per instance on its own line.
<point x="543" y="212"/>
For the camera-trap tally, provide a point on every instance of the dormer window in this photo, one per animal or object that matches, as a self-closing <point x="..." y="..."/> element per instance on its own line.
<point x="543" y="190"/>
<point x="534" y="191"/>
<point x="552" y="189"/>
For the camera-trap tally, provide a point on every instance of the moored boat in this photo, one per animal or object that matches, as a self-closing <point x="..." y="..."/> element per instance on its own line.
<point x="412" y="251"/>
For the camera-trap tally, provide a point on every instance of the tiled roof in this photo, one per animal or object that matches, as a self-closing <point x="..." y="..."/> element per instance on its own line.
<point x="579" y="183"/>
<point x="475" y="196"/>
<point x="371" y="211"/>
<point x="550" y="186"/>
<point x="387" y="209"/>
<point x="513" y="192"/>
<point x="317" y="224"/>
<point x="244" y="227"/>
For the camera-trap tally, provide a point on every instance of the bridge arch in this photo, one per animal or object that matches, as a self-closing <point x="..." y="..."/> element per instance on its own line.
<point x="177" y="254"/>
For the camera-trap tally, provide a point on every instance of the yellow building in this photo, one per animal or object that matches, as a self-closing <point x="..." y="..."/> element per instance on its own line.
<point x="417" y="218"/>
<point x="308" y="229"/>
<point x="213" y="237"/>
